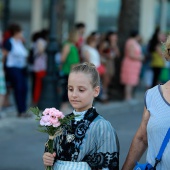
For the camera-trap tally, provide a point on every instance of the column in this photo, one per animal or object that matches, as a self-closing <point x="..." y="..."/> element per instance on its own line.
<point x="163" y="18"/>
<point x="86" y="12"/>
<point x="36" y="15"/>
<point x="147" y="19"/>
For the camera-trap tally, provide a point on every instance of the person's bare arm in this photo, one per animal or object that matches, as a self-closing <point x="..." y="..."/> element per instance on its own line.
<point x="86" y="56"/>
<point x="5" y="53"/>
<point x="159" y="50"/>
<point x="138" y="145"/>
<point x="116" y="51"/>
<point x="133" y="55"/>
<point x="65" y="52"/>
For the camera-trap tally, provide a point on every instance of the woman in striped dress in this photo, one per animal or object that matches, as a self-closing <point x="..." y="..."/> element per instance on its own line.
<point x="91" y="143"/>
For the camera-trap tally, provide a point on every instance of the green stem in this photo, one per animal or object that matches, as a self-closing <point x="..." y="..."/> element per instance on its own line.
<point x="50" y="149"/>
<point x="50" y="145"/>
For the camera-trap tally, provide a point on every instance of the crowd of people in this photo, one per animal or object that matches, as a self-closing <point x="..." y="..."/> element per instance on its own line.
<point x="95" y="144"/>
<point x="85" y="65"/>
<point x="140" y="63"/>
<point x="95" y="48"/>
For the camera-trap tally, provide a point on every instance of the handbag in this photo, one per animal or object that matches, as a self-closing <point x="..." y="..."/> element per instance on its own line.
<point x="148" y="166"/>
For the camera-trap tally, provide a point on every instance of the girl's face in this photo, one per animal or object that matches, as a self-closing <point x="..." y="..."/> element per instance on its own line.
<point x="80" y="91"/>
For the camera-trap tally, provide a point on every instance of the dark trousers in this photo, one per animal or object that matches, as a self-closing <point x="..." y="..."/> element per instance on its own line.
<point x="18" y="79"/>
<point x="156" y="74"/>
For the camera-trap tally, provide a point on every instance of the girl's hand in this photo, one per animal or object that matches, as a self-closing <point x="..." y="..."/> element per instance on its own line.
<point x="48" y="158"/>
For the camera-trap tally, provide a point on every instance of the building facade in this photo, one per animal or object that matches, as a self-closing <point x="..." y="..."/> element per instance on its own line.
<point x="98" y="15"/>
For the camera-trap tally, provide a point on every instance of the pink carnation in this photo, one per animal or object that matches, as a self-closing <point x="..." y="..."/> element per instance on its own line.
<point x="45" y="121"/>
<point x="46" y="112"/>
<point x="56" y="113"/>
<point x="51" y="117"/>
<point x="54" y="122"/>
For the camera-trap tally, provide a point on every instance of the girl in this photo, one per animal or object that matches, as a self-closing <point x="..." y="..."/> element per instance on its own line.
<point x="92" y="142"/>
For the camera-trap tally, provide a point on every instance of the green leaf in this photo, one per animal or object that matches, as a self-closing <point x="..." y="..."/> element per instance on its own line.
<point x="38" y="119"/>
<point x="35" y="110"/>
<point x="40" y="126"/>
<point x="42" y="130"/>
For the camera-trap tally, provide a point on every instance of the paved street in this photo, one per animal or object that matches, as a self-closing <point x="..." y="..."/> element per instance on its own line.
<point x="21" y="146"/>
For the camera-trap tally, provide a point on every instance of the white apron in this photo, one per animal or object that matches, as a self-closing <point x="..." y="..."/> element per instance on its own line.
<point x="65" y="165"/>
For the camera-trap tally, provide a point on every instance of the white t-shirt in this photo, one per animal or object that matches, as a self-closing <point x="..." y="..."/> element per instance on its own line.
<point x="17" y="57"/>
<point x="94" y="55"/>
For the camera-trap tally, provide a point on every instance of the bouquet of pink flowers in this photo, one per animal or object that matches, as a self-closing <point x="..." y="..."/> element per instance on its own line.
<point x="52" y="122"/>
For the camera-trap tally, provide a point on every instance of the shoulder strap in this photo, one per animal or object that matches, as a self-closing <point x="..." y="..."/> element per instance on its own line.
<point x="163" y="146"/>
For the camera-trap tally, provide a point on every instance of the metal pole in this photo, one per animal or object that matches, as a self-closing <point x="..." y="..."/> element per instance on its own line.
<point x="49" y="96"/>
<point x="164" y="12"/>
<point x="6" y="14"/>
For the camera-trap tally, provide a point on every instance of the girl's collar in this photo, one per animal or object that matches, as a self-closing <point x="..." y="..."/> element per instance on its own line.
<point x="81" y="115"/>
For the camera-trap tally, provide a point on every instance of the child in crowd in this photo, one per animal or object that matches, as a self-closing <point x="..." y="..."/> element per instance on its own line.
<point x="94" y="143"/>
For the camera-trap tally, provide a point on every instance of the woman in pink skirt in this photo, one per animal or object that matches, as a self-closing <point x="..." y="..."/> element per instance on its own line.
<point x="131" y="64"/>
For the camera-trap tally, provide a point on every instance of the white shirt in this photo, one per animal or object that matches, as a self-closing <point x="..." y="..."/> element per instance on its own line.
<point x="17" y="57"/>
<point x="80" y="115"/>
<point x="93" y="54"/>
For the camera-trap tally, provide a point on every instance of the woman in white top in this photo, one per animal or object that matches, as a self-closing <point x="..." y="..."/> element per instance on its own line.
<point x="16" y="65"/>
<point x="92" y="55"/>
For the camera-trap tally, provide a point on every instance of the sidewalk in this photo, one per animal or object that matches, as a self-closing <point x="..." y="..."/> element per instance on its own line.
<point x="9" y="115"/>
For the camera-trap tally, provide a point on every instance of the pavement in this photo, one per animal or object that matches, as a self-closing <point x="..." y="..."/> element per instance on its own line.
<point x="9" y="114"/>
<point x="23" y="146"/>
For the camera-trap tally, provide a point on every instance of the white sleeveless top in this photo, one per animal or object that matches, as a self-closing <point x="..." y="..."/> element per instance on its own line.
<point x="157" y="127"/>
